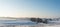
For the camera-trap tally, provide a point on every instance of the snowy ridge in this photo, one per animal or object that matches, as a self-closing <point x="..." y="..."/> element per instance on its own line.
<point x="27" y="21"/>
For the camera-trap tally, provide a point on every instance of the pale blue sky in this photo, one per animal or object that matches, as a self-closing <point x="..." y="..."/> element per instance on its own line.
<point x="30" y="8"/>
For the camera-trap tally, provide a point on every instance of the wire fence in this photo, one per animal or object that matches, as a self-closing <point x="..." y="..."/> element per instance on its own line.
<point x="22" y="26"/>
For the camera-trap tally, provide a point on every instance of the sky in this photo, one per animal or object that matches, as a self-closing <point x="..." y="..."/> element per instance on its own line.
<point x="30" y="8"/>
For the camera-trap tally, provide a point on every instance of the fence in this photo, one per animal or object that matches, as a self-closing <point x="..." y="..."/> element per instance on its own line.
<point x="22" y="26"/>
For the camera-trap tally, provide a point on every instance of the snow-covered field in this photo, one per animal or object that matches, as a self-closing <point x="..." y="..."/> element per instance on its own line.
<point x="27" y="23"/>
